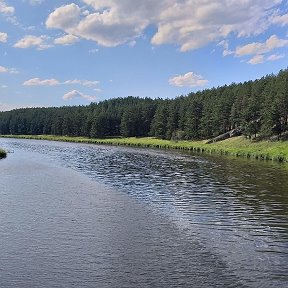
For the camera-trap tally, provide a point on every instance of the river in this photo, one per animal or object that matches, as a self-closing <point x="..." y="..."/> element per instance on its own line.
<point x="79" y="215"/>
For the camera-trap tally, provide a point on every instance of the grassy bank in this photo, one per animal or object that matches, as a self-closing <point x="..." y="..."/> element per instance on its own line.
<point x="2" y="154"/>
<point x="236" y="147"/>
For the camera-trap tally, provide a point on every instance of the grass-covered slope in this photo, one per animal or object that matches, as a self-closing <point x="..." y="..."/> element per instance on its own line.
<point x="237" y="146"/>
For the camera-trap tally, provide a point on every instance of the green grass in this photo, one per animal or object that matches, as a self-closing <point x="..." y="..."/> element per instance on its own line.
<point x="2" y="154"/>
<point x="236" y="147"/>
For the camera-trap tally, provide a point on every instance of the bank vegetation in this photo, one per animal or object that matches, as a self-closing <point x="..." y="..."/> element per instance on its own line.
<point x="2" y="153"/>
<point x="257" y="110"/>
<point x="235" y="147"/>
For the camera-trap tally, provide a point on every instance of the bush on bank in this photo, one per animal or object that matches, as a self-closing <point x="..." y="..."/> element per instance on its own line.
<point x="2" y="154"/>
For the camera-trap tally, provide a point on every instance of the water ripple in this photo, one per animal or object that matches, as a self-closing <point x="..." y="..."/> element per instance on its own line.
<point x="237" y="209"/>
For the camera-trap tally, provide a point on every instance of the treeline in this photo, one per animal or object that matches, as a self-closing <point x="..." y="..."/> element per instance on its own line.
<point x="259" y="108"/>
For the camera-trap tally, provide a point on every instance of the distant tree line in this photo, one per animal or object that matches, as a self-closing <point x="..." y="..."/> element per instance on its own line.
<point x="259" y="108"/>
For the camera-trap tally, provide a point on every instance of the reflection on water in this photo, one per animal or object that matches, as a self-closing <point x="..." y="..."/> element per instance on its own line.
<point x="237" y="210"/>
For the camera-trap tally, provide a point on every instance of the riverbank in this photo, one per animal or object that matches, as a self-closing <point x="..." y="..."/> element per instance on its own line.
<point x="236" y="147"/>
<point x="3" y="154"/>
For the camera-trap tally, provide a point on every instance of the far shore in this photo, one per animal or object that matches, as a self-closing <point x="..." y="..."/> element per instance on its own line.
<point x="235" y="147"/>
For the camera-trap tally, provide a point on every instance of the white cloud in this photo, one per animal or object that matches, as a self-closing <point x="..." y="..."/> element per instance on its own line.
<point x="93" y="51"/>
<point x="8" y="70"/>
<point x="132" y="43"/>
<point x="227" y="52"/>
<point x="3" y="69"/>
<point x="64" y="17"/>
<point x="3" y="37"/>
<point x="66" y="40"/>
<point x="189" y="79"/>
<point x="281" y="19"/>
<point x="191" y="24"/>
<point x="29" y="41"/>
<point x="13" y="71"/>
<point x="39" y="82"/>
<point x="8" y="12"/>
<point x="82" y="82"/>
<point x="5" y="9"/>
<point x="257" y="59"/>
<point x="76" y="94"/>
<point x="261" y="48"/>
<point x="275" y="57"/>
<point x="4" y="86"/>
<point x="225" y="45"/>
<point x="54" y="82"/>
<point x="36" y="2"/>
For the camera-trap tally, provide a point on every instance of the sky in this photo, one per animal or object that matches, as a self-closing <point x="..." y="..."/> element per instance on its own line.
<point x="74" y="52"/>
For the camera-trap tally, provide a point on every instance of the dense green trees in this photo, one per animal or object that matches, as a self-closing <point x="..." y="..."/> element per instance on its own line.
<point x="259" y="108"/>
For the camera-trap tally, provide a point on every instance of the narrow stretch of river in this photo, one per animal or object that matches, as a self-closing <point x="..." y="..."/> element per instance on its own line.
<point x="78" y="215"/>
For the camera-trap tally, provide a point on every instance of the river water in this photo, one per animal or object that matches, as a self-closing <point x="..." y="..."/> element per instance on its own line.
<point x="79" y="215"/>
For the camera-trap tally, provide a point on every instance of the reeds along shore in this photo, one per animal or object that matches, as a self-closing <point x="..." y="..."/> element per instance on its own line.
<point x="236" y="147"/>
<point x="2" y="154"/>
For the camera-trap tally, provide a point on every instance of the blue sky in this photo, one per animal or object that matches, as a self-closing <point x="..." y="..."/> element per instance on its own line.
<point x="55" y="53"/>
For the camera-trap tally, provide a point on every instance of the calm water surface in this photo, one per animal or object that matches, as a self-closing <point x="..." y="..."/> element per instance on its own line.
<point x="76" y="215"/>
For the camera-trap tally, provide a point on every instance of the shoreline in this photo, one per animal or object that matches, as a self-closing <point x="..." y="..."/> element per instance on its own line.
<point x="235" y="147"/>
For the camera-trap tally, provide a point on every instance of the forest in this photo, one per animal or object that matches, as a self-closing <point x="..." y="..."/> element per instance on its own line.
<point x="259" y="109"/>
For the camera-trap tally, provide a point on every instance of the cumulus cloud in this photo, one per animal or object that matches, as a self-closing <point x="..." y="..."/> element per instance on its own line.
<point x="39" y="82"/>
<point x="189" y="79"/>
<point x="5" y="9"/>
<point x="76" y="94"/>
<point x="65" y="17"/>
<point x="66" y="40"/>
<point x="3" y="37"/>
<point x="261" y="48"/>
<point x="107" y="28"/>
<point x="29" y="41"/>
<point x="191" y="24"/>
